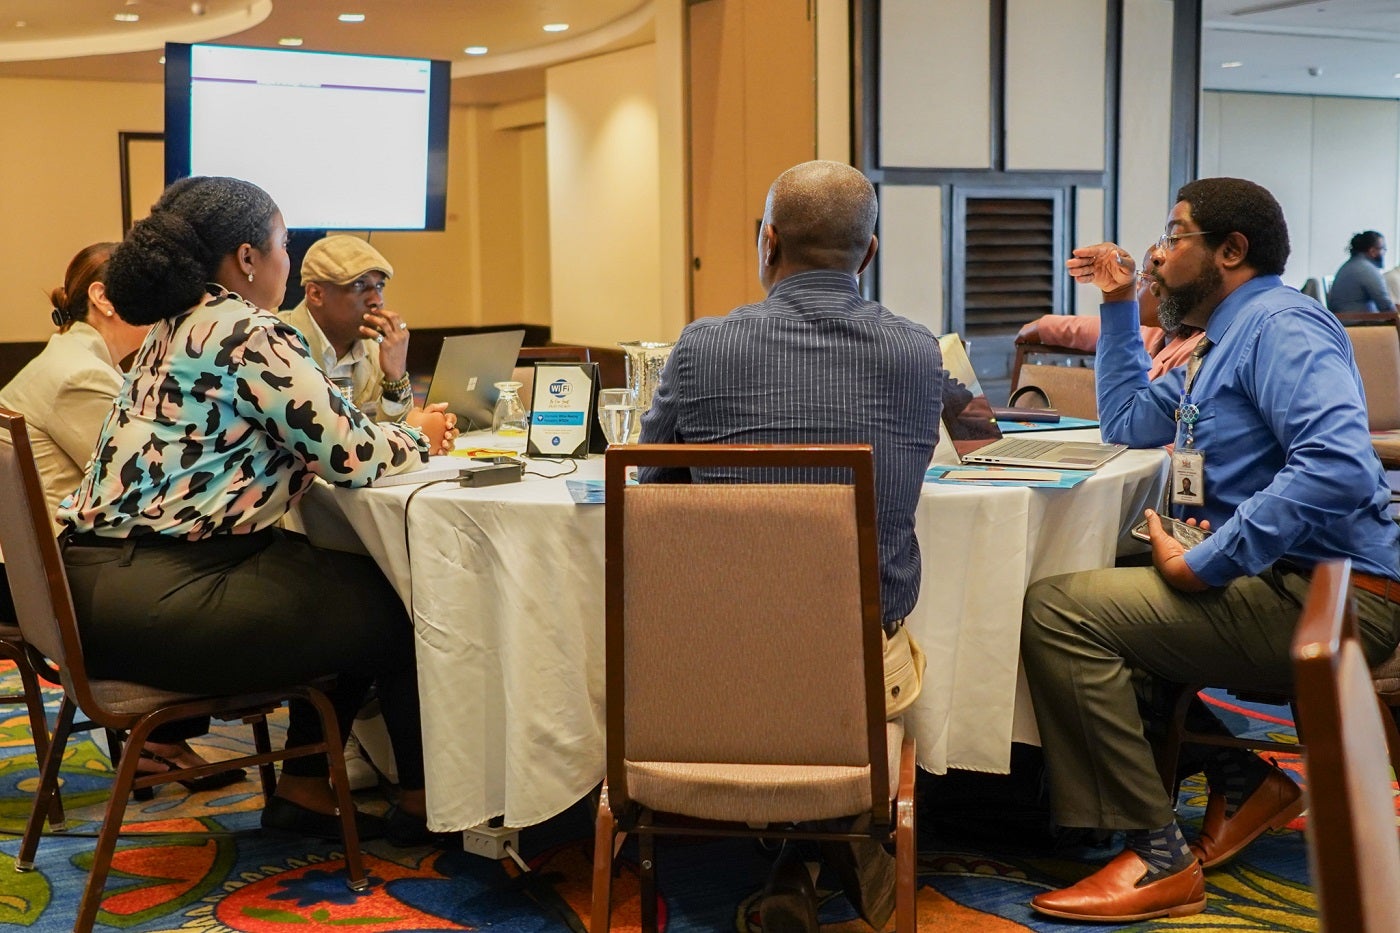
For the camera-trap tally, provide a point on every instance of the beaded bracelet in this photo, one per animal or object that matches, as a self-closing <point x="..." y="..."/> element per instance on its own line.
<point x="397" y="388"/>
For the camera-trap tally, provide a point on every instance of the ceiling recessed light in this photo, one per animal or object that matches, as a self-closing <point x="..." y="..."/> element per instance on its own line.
<point x="351" y="17"/>
<point x="476" y="50"/>
<point x="555" y="27"/>
<point x="291" y="41"/>
<point x="20" y="24"/>
<point x="1232" y="64"/>
<point x="127" y="17"/>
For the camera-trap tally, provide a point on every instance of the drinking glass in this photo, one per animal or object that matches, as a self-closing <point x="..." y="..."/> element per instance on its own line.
<point x="617" y="409"/>
<point x="510" y="418"/>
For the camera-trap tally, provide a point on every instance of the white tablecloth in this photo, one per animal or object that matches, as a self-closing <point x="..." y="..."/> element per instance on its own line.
<point x="981" y="547"/>
<point x="505" y="585"/>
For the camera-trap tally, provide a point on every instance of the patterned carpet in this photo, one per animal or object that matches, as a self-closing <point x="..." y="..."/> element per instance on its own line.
<point x="984" y="851"/>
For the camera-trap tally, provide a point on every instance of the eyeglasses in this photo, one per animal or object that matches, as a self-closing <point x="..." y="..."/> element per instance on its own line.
<point x="360" y="286"/>
<point x="1167" y="241"/>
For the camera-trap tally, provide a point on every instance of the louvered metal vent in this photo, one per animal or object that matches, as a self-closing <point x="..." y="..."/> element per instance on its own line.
<point x="1010" y="263"/>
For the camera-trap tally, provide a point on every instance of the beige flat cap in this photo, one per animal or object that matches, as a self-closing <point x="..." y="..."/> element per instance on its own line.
<point x="341" y="259"/>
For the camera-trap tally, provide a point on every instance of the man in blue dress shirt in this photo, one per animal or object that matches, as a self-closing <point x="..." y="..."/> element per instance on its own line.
<point x="814" y="362"/>
<point x="1269" y="423"/>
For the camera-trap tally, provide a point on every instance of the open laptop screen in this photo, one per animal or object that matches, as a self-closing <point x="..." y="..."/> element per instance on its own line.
<point x="967" y="415"/>
<point x="468" y="369"/>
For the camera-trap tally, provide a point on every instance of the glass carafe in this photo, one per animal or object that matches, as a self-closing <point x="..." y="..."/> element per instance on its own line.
<point x="510" y="418"/>
<point x="645" y="360"/>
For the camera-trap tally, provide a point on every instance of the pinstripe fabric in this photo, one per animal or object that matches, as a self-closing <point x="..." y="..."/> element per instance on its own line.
<point x="813" y="363"/>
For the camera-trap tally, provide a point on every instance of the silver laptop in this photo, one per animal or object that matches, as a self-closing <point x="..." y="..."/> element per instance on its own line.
<point x="973" y="429"/>
<point x="468" y="369"/>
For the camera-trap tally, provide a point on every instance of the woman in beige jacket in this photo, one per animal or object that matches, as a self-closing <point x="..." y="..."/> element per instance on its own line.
<point x="65" y="394"/>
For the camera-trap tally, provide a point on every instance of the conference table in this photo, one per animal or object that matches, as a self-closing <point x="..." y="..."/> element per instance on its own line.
<point x="505" y="588"/>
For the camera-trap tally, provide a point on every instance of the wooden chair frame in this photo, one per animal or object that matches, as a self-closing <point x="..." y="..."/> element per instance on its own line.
<point x="31" y="669"/>
<point x="1354" y="872"/>
<point x="1075" y="400"/>
<point x="552" y="353"/>
<point x="891" y="818"/>
<point x="39" y="584"/>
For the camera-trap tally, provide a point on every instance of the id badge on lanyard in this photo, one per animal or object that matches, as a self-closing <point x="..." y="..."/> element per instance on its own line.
<point x="1188" y="482"/>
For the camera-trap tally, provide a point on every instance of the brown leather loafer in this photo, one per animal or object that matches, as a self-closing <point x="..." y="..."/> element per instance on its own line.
<point x="1112" y="894"/>
<point x="1272" y="805"/>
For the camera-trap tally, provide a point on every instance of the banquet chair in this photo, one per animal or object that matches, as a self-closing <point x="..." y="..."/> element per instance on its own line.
<point x="44" y="607"/>
<point x="1353" y="852"/>
<point x="525" y="360"/>
<point x="745" y="684"/>
<point x="1067" y="387"/>
<point x="1367" y="318"/>
<point x="1377" y="351"/>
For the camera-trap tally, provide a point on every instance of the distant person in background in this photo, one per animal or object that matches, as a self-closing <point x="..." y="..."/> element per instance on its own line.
<point x="1358" y="285"/>
<point x="355" y="339"/>
<point x="1169" y="349"/>
<point x="65" y="394"/>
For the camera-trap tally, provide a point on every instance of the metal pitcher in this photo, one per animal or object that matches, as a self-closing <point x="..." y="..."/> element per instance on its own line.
<point x="645" y="360"/>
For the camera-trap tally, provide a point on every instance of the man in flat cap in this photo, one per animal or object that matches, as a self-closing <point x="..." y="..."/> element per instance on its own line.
<point x="359" y="343"/>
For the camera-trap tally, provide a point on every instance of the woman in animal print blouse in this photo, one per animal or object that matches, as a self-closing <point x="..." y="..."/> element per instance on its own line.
<point x="181" y="577"/>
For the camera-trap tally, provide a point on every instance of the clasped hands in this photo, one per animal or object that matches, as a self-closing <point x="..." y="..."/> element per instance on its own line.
<point x="439" y="424"/>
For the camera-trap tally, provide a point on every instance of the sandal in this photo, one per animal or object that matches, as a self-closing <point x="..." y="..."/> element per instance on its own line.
<point x="208" y="782"/>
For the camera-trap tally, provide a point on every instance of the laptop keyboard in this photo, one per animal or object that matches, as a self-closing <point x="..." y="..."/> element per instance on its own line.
<point x="1021" y="448"/>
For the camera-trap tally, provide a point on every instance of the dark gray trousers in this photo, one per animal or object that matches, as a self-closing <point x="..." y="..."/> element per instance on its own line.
<point x="1087" y="637"/>
<point x="241" y="613"/>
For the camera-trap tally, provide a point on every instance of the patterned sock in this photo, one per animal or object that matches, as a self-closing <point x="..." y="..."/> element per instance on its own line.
<point x="1236" y="773"/>
<point x="1164" y="850"/>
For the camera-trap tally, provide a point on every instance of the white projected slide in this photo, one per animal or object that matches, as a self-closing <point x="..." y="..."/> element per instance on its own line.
<point x="332" y="131"/>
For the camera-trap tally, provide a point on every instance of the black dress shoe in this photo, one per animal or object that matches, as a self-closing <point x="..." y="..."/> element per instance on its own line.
<point x="283" y="815"/>
<point x="789" y="901"/>
<point x="867" y="876"/>
<point x="406" y="831"/>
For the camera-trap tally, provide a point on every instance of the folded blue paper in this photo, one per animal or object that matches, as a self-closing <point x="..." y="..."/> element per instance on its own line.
<point x="585" y="491"/>
<point x="976" y="475"/>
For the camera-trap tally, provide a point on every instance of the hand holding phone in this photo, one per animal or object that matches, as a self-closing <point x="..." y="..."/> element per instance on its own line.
<point x="1188" y="535"/>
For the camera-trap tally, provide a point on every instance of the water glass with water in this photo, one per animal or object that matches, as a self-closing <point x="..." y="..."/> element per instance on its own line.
<point x="617" y="411"/>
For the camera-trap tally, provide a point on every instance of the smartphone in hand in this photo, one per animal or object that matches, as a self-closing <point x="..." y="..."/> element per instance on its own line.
<point x="1188" y="535"/>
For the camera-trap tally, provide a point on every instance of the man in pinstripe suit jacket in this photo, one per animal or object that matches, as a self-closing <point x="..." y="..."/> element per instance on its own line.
<point x="814" y="362"/>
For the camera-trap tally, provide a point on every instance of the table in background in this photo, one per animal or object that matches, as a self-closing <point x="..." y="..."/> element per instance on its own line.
<point x="505" y="586"/>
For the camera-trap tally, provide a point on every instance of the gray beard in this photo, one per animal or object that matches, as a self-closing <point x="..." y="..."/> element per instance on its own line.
<point x="1176" y="303"/>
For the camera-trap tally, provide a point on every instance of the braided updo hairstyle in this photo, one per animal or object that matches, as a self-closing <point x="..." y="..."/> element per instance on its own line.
<point x="163" y="265"/>
<point x="70" y="300"/>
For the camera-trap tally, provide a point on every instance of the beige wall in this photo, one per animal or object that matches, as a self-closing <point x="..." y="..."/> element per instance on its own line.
<point x="59" y="184"/>
<point x="60" y="190"/>
<point x="1332" y="162"/>
<point x="604" y="174"/>
<point x="1144" y="173"/>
